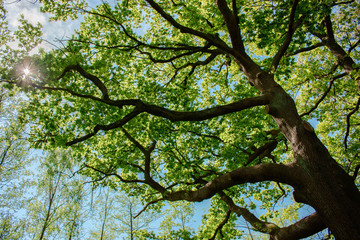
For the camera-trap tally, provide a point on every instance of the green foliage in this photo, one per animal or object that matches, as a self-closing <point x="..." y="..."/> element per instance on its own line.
<point x="137" y="54"/>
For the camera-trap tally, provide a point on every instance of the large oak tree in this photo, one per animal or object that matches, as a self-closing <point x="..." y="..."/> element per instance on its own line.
<point x="190" y="100"/>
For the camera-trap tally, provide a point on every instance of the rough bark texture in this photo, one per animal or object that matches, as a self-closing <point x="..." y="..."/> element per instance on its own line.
<point x="326" y="187"/>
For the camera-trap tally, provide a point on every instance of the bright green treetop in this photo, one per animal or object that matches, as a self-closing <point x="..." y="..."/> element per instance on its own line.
<point x="165" y="100"/>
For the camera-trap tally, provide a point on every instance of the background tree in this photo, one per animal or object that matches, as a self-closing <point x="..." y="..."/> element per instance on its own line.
<point x="177" y="100"/>
<point x="177" y="221"/>
<point x="56" y="210"/>
<point x="130" y="217"/>
<point x="104" y="226"/>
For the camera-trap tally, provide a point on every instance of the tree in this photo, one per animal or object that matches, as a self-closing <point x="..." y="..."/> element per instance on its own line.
<point x="176" y="222"/>
<point x="130" y="218"/>
<point x="56" y="209"/>
<point x="178" y="100"/>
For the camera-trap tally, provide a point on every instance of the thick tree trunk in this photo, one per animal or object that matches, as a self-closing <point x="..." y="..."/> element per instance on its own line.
<point x="327" y="188"/>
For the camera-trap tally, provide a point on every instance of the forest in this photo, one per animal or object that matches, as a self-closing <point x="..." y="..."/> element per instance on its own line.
<point x="177" y="119"/>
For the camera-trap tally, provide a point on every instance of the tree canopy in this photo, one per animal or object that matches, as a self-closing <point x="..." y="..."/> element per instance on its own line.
<point x="234" y="101"/>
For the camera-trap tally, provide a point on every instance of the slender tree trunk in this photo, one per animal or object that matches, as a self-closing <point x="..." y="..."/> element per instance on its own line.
<point x="52" y="194"/>
<point x="131" y="222"/>
<point x="105" y="216"/>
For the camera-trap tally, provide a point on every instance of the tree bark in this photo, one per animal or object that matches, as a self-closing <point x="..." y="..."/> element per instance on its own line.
<point x="326" y="187"/>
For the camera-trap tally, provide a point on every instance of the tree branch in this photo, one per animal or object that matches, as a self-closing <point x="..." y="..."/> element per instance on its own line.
<point x="147" y="205"/>
<point x="356" y="171"/>
<point x="212" y="112"/>
<point x="114" y="174"/>
<point x="214" y="40"/>
<point x="262" y="151"/>
<point x="291" y="29"/>
<point x="288" y="174"/>
<point x="221" y="225"/>
<point x="324" y="94"/>
<point x="232" y="26"/>
<point x="94" y="79"/>
<point x="330" y="42"/>
<point x="352" y="47"/>
<point x="304" y="228"/>
<point x="348" y="123"/>
<point x="256" y="223"/>
<point x="306" y="49"/>
<point x="114" y="125"/>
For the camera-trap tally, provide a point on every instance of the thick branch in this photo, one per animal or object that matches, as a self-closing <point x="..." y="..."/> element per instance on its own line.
<point x="259" y="225"/>
<point x="231" y="22"/>
<point x="304" y="228"/>
<point x="288" y="174"/>
<point x="356" y="171"/>
<point x="159" y="111"/>
<point x="201" y="115"/>
<point x="330" y="42"/>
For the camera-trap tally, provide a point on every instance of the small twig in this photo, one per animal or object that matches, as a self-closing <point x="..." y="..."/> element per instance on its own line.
<point x="147" y="205"/>
<point x="324" y="94"/>
<point x="356" y="171"/>
<point x="306" y="49"/>
<point x="348" y="123"/>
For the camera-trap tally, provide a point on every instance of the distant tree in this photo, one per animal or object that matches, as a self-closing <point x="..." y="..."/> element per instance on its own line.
<point x="56" y="210"/>
<point x="103" y="216"/>
<point x="177" y="221"/>
<point x="191" y="100"/>
<point x="130" y="217"/>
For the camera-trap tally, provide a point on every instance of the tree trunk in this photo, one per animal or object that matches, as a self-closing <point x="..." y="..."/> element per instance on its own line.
<point x="327" y="188"/>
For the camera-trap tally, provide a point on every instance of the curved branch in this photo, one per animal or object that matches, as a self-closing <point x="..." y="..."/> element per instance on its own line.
<point x="356" y="171"/>
<point x="94" y="79"/>
<point x="221" y="225"/>
<point x="259" y="225"/>
<point x="114" y="125"/>
<point x="205" y="114"/>
<point x="214" y="40"/>
<point x="114" y="174"/>
<point x="262" y="151"/>
<point x="301" y="229"/>
<point x="289" y="174"/>
<point x="306" y="49"/>
<point x="147" y="205"/>
<point x="330" y="42"/>
<point x="304" y="228"/>
<point x="348" y="122"/>
<point x="324" y="94"/>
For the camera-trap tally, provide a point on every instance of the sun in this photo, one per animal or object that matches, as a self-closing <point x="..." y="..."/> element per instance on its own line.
<point x="26" y="71"/>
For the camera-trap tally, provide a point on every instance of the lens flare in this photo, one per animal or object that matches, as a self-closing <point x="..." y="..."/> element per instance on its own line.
<point x="26" y="71"/>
